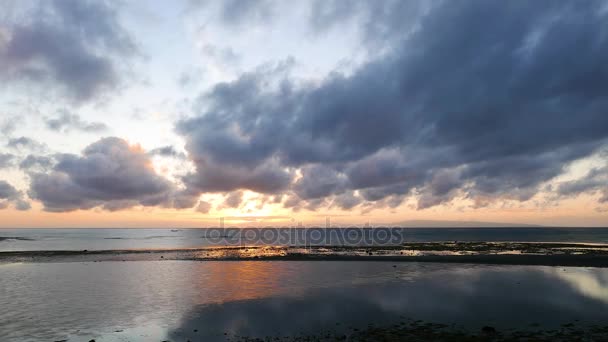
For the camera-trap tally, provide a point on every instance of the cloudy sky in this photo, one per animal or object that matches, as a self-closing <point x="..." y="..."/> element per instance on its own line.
<point x="174" y="113"/>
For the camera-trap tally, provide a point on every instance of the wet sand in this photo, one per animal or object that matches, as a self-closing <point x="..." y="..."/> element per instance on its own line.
<point x="507" y="253"/>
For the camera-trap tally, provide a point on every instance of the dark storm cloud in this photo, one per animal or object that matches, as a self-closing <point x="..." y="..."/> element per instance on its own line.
<point x="440" y="189"/>
<point x="211" y="177"/>
<point x="319" y="181"/>
<point x="109" y="173"/>
<point x="67" y="121"/>
<point x="76" y="44"/>
<point x="483" y="99"/>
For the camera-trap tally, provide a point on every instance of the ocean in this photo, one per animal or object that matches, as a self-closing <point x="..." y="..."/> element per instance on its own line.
<point x="119" y="239"/>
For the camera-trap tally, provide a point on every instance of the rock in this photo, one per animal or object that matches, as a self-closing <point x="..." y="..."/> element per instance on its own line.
<point x="92" y="341"/>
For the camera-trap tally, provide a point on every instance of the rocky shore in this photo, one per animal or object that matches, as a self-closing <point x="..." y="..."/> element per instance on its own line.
<point x="410" y="330"/>
<point x="508" y="253"/>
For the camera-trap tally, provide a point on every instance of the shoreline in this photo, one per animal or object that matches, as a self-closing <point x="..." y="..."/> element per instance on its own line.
<point x="419" y="330"/>
<point x="496" y="253"/>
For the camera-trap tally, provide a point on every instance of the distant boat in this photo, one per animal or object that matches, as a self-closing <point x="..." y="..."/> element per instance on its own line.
<point x="175" y="230"/>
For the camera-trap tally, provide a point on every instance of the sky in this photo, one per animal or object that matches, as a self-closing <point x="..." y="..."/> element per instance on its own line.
<point x="267" y="112"/>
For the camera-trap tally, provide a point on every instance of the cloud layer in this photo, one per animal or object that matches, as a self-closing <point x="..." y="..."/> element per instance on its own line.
<point x="483" y="99"/>
<point x="486" y="101"/>
<point x="77" y="45"/>
<point x="110" y="173"/>
<point x="10" y="195"/>
<point x="67" y="121"/>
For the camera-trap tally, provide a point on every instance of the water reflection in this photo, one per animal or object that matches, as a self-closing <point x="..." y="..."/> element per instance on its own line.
<point x="505" y="297"/>
<point x="590" y="282"/>
<point x="170" y="299"/>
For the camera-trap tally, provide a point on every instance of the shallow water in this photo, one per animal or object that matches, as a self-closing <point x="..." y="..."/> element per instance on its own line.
<point x="168" y="300"/>
<point x="112" y="239"/>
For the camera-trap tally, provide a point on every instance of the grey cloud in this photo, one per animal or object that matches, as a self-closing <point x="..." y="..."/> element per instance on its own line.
<point x="595" y="181"/>
<point x="184" y="199"/>
<point x="233" y="200"/>
<point x="380" y="192"/>
<point x="7" y="191"/>
<point x="67" y="121"/>
<point x="22" y="205"/>
<point x="223" y="55"/>
<point x="109" y="174"/>
<point x="203" y="207"/>
<point x="6" y="160"/>
<point x="8" y="195"/>
<point x="442" y="188"/>
<point x="167" y="151"/>
<point x="315" y="204"/>
<point x="77" y="44"/>
<point x="212" y="177"/>
<point x="190" y="77"/>
<point x="237" y="13"/>
<point x="482" y="99"/>
<point x="292" y="202"/>
<point x="25" y="143"/>
<point x="347" y="200"/>
<point x="36" y="162"/>
<point x="319" y="181"/>
<point x="8" y="126"/>
<point x="380" y="22"/>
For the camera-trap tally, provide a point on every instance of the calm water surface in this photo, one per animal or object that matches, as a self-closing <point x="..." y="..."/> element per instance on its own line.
<point x="106" y="239"/>
<point x="167" y="300"/>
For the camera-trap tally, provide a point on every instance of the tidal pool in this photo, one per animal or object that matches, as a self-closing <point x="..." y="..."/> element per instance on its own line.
<point x="219" y="300"/>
